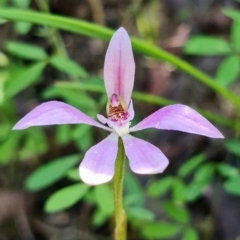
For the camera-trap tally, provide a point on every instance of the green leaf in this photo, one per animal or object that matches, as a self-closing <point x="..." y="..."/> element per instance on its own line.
<point x="232" y="185"/>
<point x="22" y="28"/>
<point x="6" y="129"/>
<point x="82" y="134"/>
<point x="233" y="14"/>
<point x="233" y="146"/>
<point x="206" y="45"/>
<point x="178" y="189"/>
<point x="50" y="173"/>
<point x="139" y="214"/>
<point x="227" y="170"/>
<point x="25" y="50"/>
<point x="4" y="61"/>
<point x="73" y="174"/>
<point x="90" y="198"/>
<point x="160" y="230"/>
<point x="99" y="218"/>
<point x="3" y="3"/>
<point x="190" y="234"/>
<point x="21" y="3"/>
<point x="8" y="148"/>
<point x="201" y="179"/>
<point x="33" y="144"/>
<point x="190" y="165"/>
<point x="104" y="198"/>
<point x="63" y="134"/>
<point x="68" y="66"/>
<point x="204" y="174"/>
<point x="25" y="78"/>
<point x="176" y="212"/>
<point x="65" y="197"/>
<point x="235" y="36"/>
<point x="159" y="187"/>
<point x="228" y="70"/>
<point x="3" y="79"/>
<point x="133" y="189"/>
<point x="193" y="191"/>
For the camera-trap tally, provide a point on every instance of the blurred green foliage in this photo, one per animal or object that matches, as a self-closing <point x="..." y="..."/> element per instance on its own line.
<point x="228" y="70"/>
<point x="158" y="209"/>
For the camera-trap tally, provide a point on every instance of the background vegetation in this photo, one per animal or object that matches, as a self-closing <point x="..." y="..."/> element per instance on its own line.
<point x="185" y="51"/>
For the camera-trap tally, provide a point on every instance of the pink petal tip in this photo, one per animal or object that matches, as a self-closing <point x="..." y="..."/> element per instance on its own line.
<point x="119" y="66"/>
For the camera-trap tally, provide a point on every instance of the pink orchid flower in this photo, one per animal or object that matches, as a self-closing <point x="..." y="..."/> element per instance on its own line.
<point x="98" y="164"/>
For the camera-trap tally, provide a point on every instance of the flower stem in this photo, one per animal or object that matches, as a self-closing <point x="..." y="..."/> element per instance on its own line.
<point x="120" y="216"/>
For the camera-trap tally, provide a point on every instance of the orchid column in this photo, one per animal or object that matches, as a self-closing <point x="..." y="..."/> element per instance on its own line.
<point x="107" y="157"/>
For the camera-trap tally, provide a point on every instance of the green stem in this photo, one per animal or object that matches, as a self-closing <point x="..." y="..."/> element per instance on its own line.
<point x="120" y="216"/>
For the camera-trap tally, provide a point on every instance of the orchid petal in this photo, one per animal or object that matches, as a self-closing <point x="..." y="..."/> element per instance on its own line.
<point x="119" y="66"/>
<point x="97" y="166"/>
<point x="54" y="112"/>
<point x="131" y="111"/>
<point x="144" y="158"/>
<point x="181" y="118"/>
<point x="102" y="119"/>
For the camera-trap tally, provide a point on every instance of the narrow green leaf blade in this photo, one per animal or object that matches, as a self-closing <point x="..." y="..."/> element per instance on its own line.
<point x="190" y="165"/>
<point x="227" y="170"/>
<point x="206" y="45"/>
<point x="160" y="230"/>
<point x="50" y="173"/>
<point x="22" y="28"/>
<point x="232" y="185"/>
<point x="27" y="77"/>
<point x="25" y="50"/>
<point x="133" y="189"/>
<point x="176" y="212"/>
<point x="4" y="61"/>
<point x="235" y="35"/>
<point x="68" y="66"/>
<point x="140" y="214"/>
<point x="233" y="146"/>
<point x="193" y="191"/>
<point x="21" y="3"/>
<point x="65" y="197"/>
<point x="8" y="148"/>
<point x="233" y="14"/>
<point x="178" y="190"/>
<point x="204" y="174"/>
<point x="73" y="174"/>
<point x="160" y="187"/>
<point x="190" y="234"/>
<point x="104" y="198"/>
<point x="228" y="70"/>
<point x="99" y="218"/>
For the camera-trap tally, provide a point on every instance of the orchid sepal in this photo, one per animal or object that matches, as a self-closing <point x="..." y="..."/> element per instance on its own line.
<point x="119" y="66"/>
<point x="56" y="113"/>
<point x="181" y="118"/>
